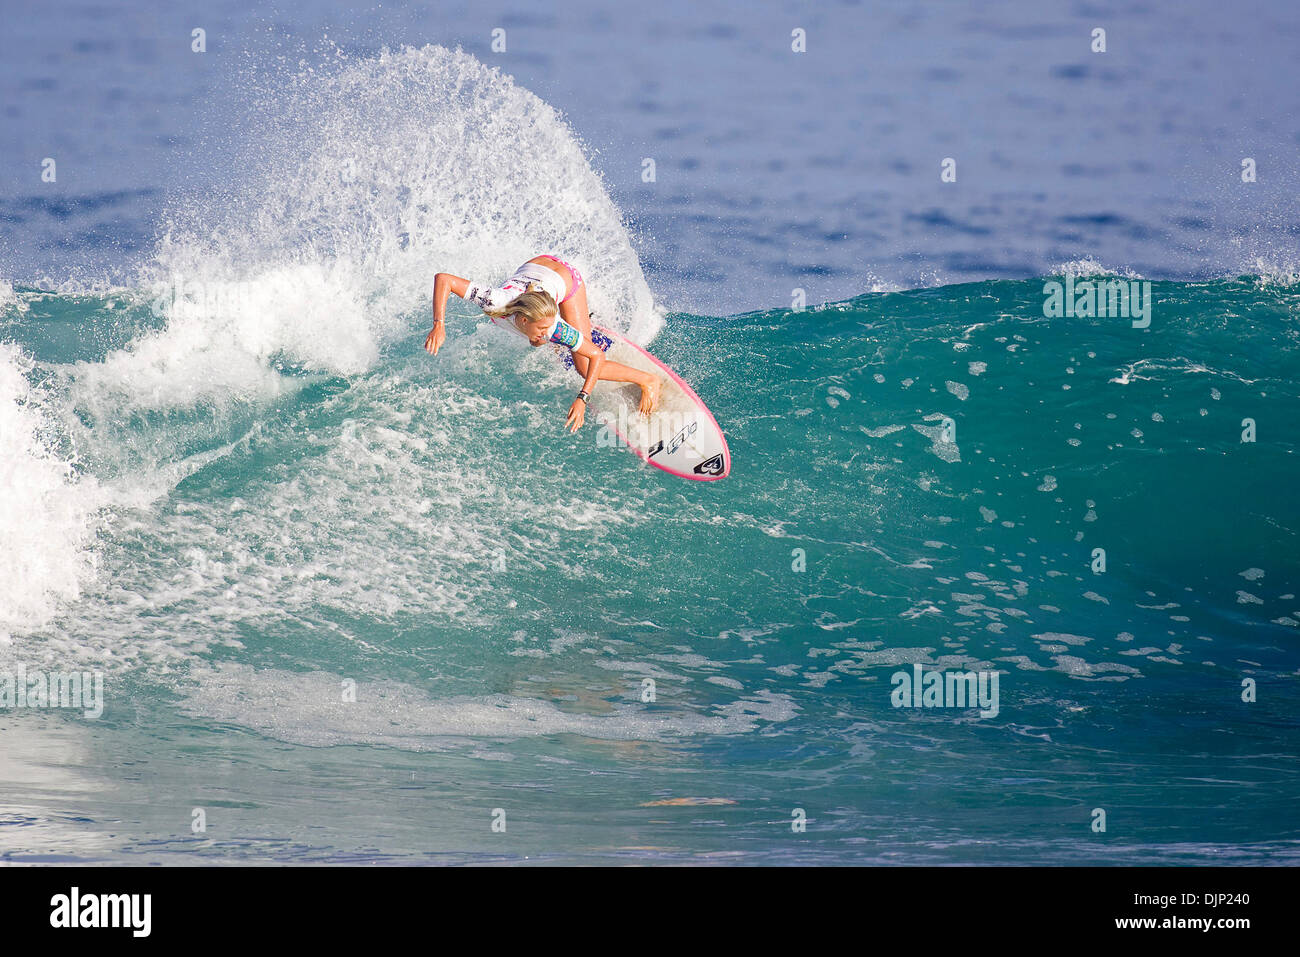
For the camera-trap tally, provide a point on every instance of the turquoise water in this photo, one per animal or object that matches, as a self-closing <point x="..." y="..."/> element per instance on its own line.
<point x="500" y="612"/>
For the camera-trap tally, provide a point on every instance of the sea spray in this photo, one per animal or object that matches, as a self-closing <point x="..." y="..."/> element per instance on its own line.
<point x="48" y="511"/>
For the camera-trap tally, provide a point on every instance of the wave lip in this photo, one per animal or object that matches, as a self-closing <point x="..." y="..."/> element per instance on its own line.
<point x="364" y="181"/>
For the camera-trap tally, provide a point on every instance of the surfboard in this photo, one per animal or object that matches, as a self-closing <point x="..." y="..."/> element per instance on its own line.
<point x="681" y="437"/>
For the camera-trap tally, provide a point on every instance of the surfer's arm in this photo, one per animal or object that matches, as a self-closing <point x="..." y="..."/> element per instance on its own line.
<point x="595" y="358"/>
<point x="443" y="284"/>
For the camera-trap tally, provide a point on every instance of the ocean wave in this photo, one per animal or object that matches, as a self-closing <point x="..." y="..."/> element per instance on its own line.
<point x="48" y="511"/>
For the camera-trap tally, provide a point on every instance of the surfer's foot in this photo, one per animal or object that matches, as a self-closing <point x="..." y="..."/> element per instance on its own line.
<point x="650" y="396"/>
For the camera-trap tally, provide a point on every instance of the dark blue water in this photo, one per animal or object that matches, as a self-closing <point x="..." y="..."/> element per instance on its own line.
<point x="774" y="170"/>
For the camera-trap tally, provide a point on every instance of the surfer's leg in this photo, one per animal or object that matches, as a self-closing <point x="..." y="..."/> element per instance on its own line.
<point x="574" y="312"/>
<point x="611" y="371"/>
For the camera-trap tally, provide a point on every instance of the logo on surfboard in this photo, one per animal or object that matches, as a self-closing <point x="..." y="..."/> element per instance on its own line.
<point x="674" y="443"/>
<point x="711" y="466"/>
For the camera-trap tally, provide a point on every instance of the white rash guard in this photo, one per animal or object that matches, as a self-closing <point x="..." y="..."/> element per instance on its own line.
<point x="487" y="296"/>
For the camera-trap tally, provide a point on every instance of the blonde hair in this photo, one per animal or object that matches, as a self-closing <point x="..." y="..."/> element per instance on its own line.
<point x="534" y="304"/>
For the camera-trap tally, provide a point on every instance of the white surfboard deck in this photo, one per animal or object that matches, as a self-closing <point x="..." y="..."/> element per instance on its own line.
<point x="681" y="437"/>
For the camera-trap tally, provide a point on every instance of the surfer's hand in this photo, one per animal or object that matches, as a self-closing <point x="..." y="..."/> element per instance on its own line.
<point x="650" y="396"/>
<point x="437" y="336"/>
<point x="577" y="412"/>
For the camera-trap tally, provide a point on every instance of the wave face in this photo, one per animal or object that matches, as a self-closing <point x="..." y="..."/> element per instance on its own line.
<point x="426" y="529"/>
<point x="235" y="498"/>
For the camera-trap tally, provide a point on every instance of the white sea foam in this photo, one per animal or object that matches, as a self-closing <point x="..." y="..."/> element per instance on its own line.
<point x="48" y="514"/>
<point x="1278" y="268"/>
<point x="10" y="300"/>
<point x="1147" y="370"/>
<point x="1088" y="266"/>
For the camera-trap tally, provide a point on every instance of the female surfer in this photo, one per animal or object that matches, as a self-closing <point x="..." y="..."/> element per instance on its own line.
<point x="545" y="300"/>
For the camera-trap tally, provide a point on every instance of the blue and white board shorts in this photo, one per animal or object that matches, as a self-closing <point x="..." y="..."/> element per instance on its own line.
<point x="598" y="339"/>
